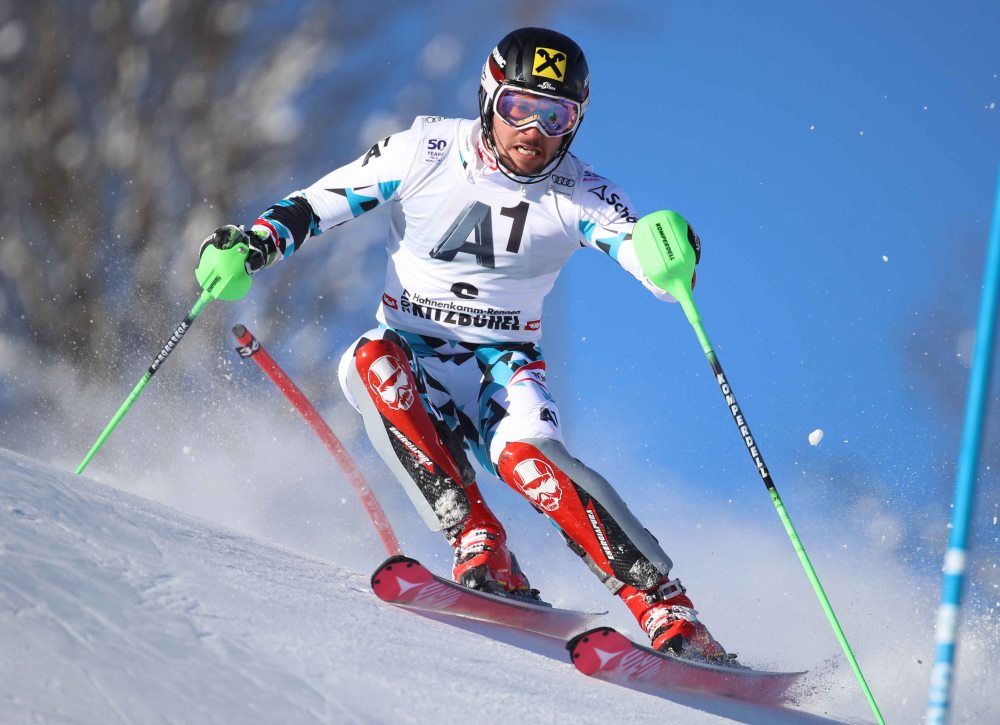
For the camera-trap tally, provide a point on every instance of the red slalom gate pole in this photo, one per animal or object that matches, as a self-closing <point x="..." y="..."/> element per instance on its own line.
<point x="250" y="347"/>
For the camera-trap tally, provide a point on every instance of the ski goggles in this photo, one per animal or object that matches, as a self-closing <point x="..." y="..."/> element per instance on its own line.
<point x="551" y="115"/>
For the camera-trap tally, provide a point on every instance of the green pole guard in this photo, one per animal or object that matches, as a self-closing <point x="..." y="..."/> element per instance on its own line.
<point x="222" y="273"/>
<point x="667" y="257"/>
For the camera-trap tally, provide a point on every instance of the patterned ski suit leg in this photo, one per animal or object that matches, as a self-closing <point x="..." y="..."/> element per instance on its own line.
<point x="520" y="433"/>
<point x="410" y="419"/>
<point x="384" y="381"/>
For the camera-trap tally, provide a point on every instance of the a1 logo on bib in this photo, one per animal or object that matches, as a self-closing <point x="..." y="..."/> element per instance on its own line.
<point x="549" y="63"/>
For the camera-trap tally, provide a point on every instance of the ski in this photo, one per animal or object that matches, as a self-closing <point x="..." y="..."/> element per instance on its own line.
<point x="608" y="655"/>
<point x="406" y="582"/>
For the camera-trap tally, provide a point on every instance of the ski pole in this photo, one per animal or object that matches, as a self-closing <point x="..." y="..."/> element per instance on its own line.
<point x="203" y="300"/>
<point x="662" y="244"/>
<point x="965" y="481"/>
<point x="222" y="275"/>
<point x="250" y="347"/>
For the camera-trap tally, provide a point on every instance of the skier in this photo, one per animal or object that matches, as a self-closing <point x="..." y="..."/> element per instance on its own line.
<point x="483" y="215"/>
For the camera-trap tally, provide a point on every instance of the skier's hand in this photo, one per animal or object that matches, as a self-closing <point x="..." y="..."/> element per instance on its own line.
<point x="695" y="241"/>
<point x="229" y="236"/>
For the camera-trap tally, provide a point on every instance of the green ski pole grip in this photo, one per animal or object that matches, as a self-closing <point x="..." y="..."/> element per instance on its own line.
<point x="662" y="242"/>
<point x="222" y="273"/>
<point x="666" y="256"/>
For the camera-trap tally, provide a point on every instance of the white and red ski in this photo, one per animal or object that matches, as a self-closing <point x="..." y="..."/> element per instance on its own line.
<point x="408" y="583"/>
<point x="607" y="654"/>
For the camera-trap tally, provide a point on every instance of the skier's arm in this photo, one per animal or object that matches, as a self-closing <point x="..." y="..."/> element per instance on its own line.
<point x="606" y="220"/>
<point x="343" y="194"/>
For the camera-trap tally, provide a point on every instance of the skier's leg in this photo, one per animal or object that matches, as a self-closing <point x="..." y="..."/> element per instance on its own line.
<point x="387" y="383"/>
<point x="600" y="528"/>
<point x="528" y="453"/>
<point x="588" y="511"/>
<point x="381" y="380"/>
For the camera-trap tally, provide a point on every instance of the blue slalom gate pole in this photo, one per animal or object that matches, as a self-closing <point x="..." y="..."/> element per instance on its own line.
<point x="965" y="482"/>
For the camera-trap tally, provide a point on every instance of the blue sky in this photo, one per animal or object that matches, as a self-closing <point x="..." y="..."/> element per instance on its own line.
<point x="839" y="162"/>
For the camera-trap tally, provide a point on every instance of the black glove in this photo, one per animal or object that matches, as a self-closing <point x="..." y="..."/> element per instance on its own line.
<point x="230" y="235"/>
<point x="695" y="241"/>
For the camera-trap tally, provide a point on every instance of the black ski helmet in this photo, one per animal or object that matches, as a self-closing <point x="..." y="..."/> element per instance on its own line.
<point x="536" y="59"/>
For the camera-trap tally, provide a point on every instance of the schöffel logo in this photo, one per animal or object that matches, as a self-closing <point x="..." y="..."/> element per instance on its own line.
<point x="563" y="181"/>
<point x="613" y="200"/>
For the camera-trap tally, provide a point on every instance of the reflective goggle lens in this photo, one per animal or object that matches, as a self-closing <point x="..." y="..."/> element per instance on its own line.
<point x="553" y="116"/>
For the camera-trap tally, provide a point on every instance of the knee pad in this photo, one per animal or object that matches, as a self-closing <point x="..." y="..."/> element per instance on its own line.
<point x="388" y="340"/>
<point x="385" y="369"/>
<point x="589" y="512"/>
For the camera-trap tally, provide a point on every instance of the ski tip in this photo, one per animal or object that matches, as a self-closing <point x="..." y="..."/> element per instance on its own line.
<point x="583" y="636"/>
<point x="399" y="560"/>
<point x="239" y="331"/>
<point x="583" y="646"/>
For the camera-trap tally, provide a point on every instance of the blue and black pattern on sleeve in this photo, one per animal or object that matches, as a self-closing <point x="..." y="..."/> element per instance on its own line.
<point x="290" y="222"/>
<point x="603" y="238"/>
<point x="366" y="198"/>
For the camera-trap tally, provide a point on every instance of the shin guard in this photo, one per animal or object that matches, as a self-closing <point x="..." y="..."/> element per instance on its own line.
<point x="402" y="431"/>
<point x="593" y="518"/>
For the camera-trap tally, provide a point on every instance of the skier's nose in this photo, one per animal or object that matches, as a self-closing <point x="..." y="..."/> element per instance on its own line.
<point x="532" y="135"/>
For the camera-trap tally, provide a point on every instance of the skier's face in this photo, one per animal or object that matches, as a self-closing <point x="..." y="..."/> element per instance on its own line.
<point x="523" y="151"/>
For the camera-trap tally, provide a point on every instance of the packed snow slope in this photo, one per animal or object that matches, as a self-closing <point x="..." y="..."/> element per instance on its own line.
<point x="117" y="609"/>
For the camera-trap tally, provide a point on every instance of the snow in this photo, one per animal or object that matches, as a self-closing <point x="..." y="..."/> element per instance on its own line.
<point x="816" y="437"/>
<point x="117" y="609"/>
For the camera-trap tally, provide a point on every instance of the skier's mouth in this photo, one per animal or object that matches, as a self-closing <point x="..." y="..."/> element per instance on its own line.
<point x="529" y="152"/>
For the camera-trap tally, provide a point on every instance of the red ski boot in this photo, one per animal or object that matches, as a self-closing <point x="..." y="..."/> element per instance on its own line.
<point x="671" y="621"/>
<point x="482" y="560"/>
